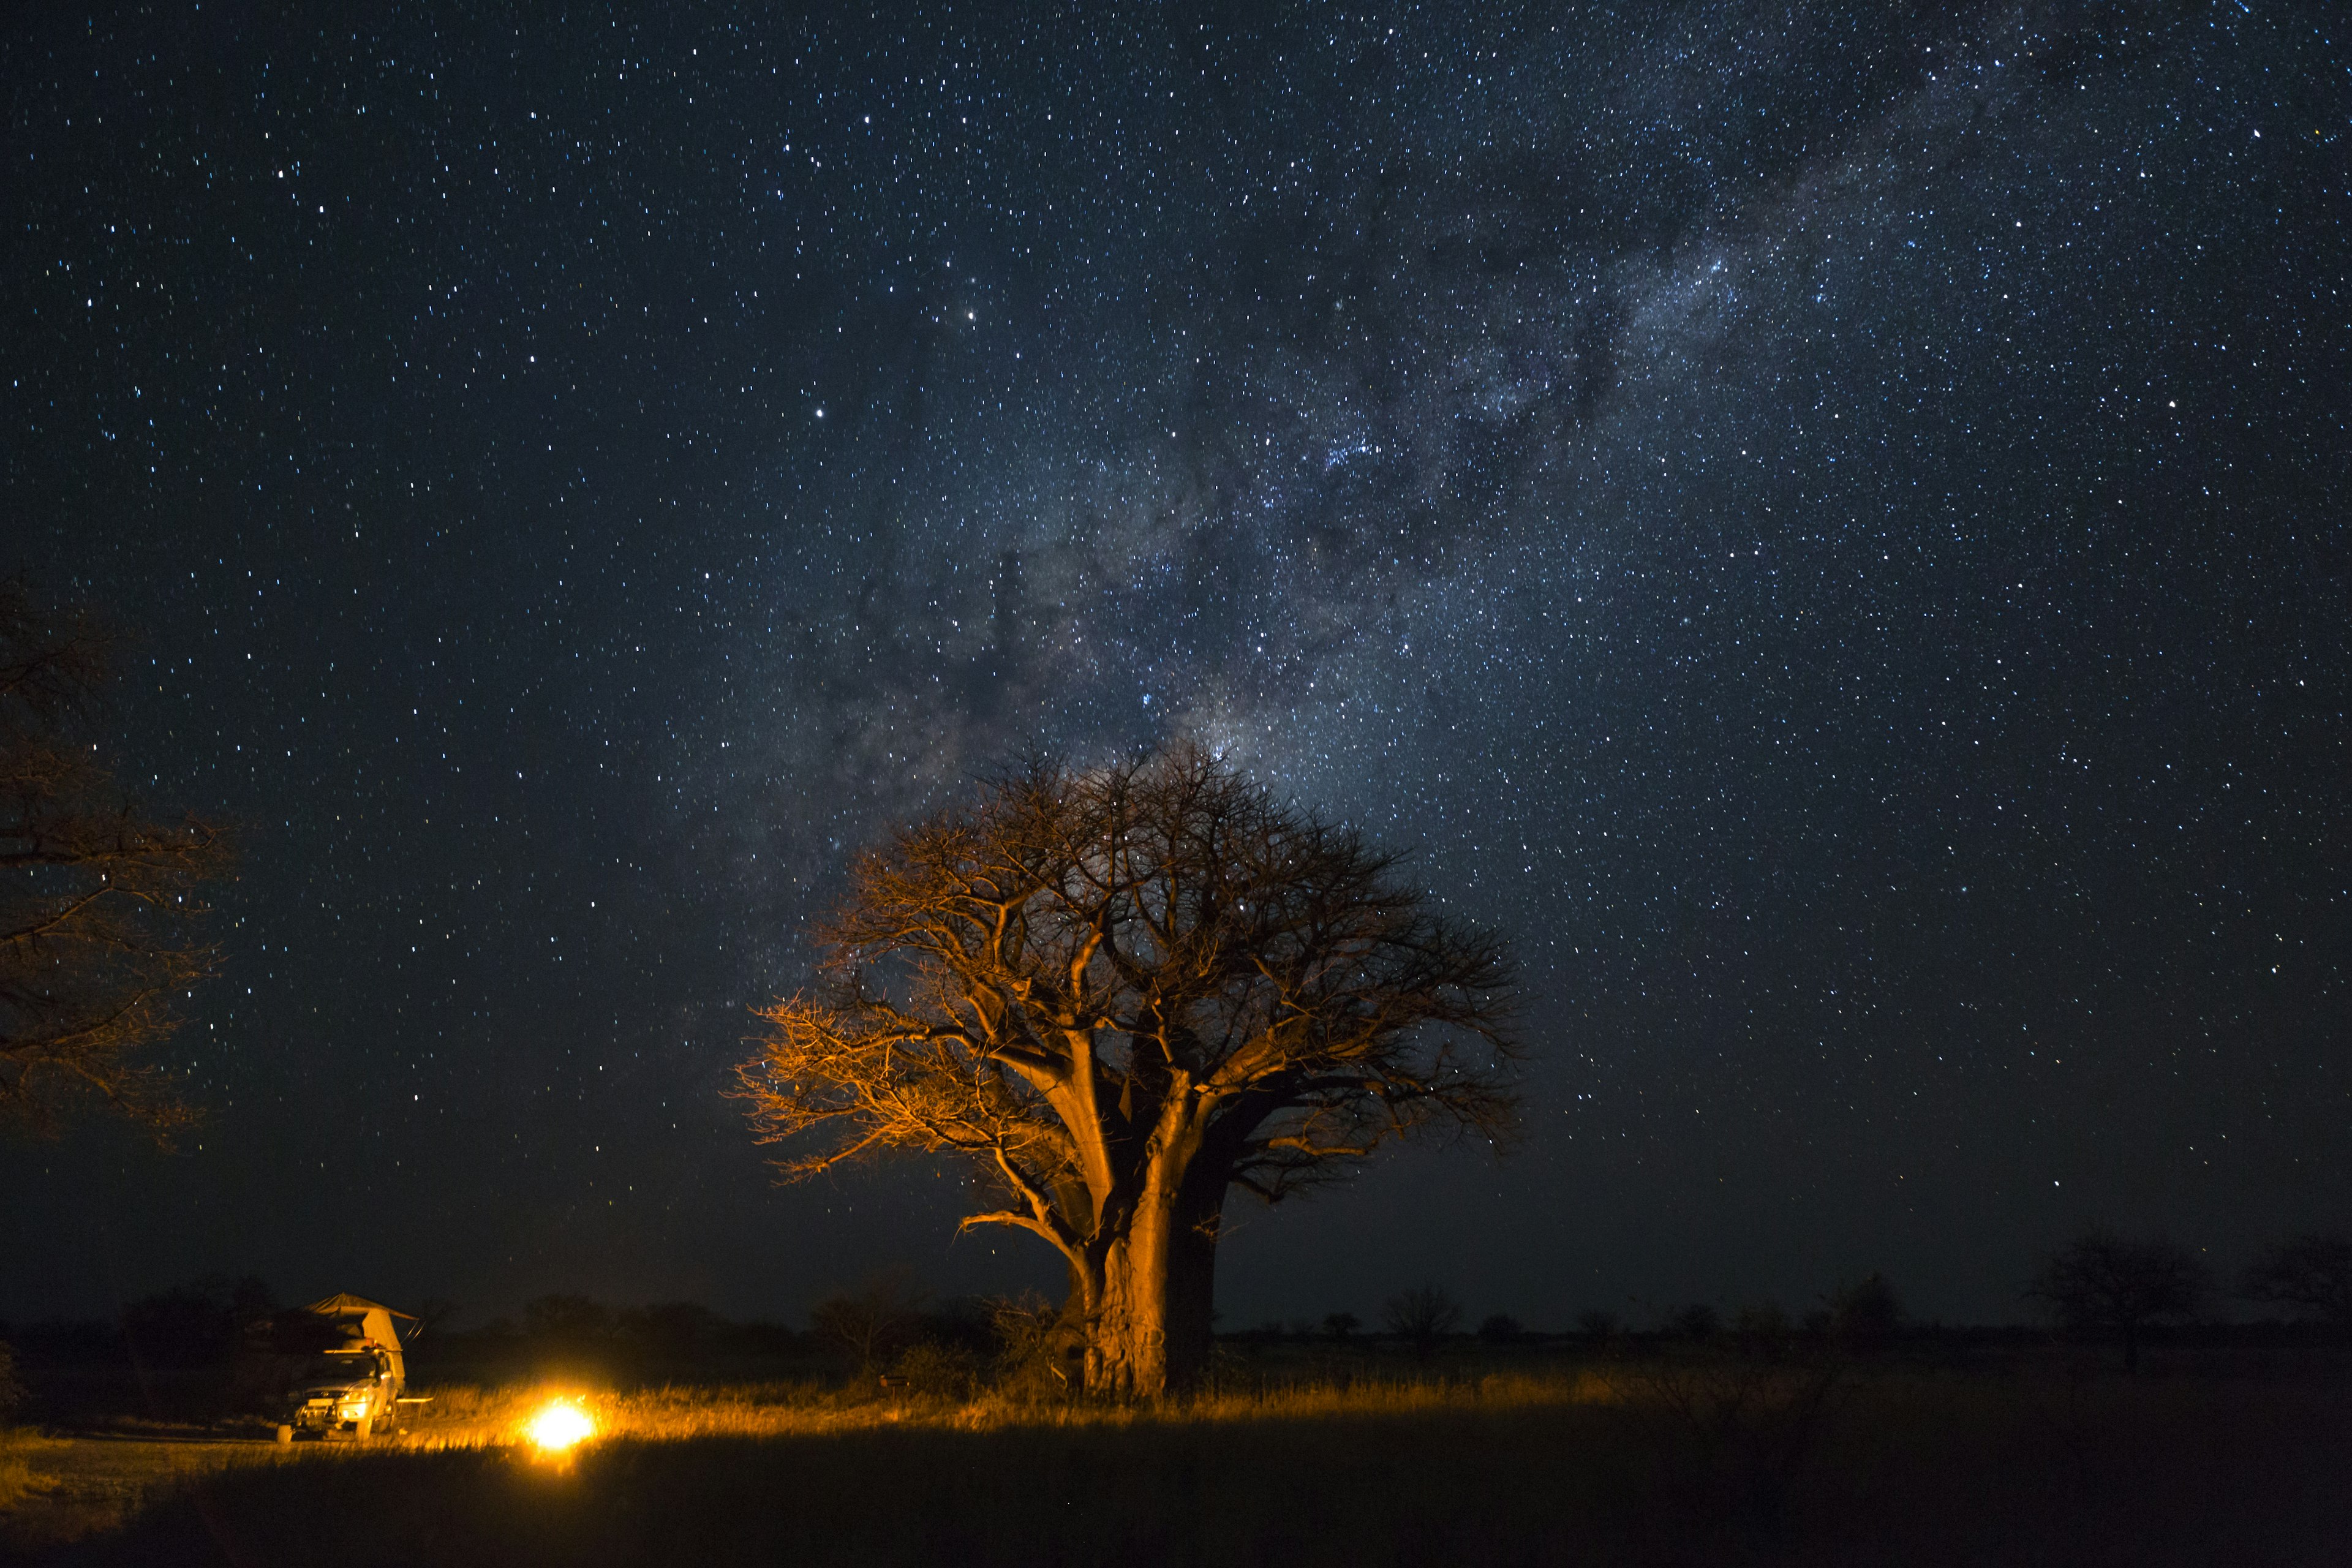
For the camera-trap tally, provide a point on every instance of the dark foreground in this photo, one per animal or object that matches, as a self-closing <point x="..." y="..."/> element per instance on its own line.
<point x="1918" y="1470"/>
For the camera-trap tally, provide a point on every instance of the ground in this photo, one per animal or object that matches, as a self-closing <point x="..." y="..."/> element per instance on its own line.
<point x="1664" y="1459"/>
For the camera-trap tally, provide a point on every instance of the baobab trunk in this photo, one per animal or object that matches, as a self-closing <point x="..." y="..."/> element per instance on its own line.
<point x="1148" y="1324"/>
<point x="1148" y="1308"/>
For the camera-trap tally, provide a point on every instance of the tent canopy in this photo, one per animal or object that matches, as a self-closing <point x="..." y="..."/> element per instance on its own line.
<point x="344" y="1304"/>
<point x="372" y="1319"/>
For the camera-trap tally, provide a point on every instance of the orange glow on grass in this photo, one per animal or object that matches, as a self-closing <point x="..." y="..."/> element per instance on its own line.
<point x="558" y="1428"/>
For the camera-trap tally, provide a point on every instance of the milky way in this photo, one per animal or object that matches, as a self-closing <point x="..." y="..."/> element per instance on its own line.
<point x="1827" y="527"/>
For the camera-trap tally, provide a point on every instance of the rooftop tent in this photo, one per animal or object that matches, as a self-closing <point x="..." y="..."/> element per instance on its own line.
<point x="360" y="1318"/>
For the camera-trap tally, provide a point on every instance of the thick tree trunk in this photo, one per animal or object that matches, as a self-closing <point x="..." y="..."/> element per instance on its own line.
<point x="1193" y="1274"/>
<point x="1148" y="1302"/>
<point x="1126" y="1344"/>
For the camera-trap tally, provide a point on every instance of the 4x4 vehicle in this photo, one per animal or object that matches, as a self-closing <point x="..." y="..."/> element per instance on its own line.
<point x="332" y="1367"/>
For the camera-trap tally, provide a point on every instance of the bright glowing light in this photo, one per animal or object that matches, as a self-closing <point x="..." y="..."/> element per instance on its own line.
<point x="560" y="1425"/>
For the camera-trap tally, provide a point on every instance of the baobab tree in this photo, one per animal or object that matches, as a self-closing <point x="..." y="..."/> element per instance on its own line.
<point x="99" y="902"/>
<point x="1123" y="993"/>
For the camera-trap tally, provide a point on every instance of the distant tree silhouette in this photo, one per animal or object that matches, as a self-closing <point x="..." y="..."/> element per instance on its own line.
<point x="193" y="1324"/>
<point x="1697" y="1322"/>
<point x="1866" y="1315"/>
<point x="1599" y="1323"/>
<point x="12" y="1391"/>
<point x="1123" y="991"/>
<point x="2102" y="1282"/>
<point x="2311" y="1271"/>
<point x="1341" y="1327"/>
<point x="1422" y="1317"/>
<point x="669" y="1328"/>
<point x="873" y="1324"/>
<point x="99" y="902"/>
<point x="1762" y="1330"/>
<point x="572" y="1319"/>
<point x="1502" y="1328"/>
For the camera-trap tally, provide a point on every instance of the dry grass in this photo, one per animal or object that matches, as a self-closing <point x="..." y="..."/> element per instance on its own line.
<point x="1663" y="1462"/>
<point x="21" y="1478"/>
<point x="468" y="1417"/>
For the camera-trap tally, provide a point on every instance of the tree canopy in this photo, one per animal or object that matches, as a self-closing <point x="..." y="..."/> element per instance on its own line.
<point x="2311" y="1271"/>
<point x="99" y="902"/>
<point x="2107" y="1283"/>
<point x="1119" y="991"/>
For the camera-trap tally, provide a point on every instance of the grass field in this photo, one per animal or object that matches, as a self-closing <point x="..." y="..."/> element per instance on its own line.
<point x="1651" y="1461"/>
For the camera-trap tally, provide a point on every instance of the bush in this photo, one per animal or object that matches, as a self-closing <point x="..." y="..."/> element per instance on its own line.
<point x="1502" y="1328"/>
<point x="930" y="1370"/>
<point x="12" y="1392"/>
<point x="195" y="1324"/>
<point x="1866" y="1315"/>
<point x="1696" y="1321"/>
<point x="1762" y="1332"/>
<point x="873" y="1325"/>
<point x="1033" y="1351"/>
<point x="566" y="1320"/>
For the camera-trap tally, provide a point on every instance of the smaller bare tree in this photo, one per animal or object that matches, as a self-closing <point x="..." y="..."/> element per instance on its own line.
<point x="2312" y="1272"/>
<point x="2104" y="1283"/>
<point x="873" y="1324"/>
<point x="1421" y="1317"/>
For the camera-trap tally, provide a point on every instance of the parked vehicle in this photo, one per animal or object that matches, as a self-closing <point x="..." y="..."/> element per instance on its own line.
<point x="334" y="1366"/>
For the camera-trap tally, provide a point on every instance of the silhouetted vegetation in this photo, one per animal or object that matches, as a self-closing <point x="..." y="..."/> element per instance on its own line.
<point x="1502" y="1328"/>
<point x="1866" y="1315"/>
<point x="1697" y="1322"/>
<point x="12" y="1389"/>
<point x="1422" y="1317"/>
<point x="99" y="901"/>
<point x="2102" y="1283"/>
<point x="872" y="1324"/>
<point x="1854" y="1435"/>
<point x="2310" y="1273"/>
<point x="194" y="1325"/>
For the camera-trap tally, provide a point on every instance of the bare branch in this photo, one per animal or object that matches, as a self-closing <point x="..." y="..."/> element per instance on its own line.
<point x="97" y="902"/>
<point x="1145" y="978"/>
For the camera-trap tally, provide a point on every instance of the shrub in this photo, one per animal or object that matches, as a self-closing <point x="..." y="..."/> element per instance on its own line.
<point x="1696" y="1321"/>
<point x="1033" y="1346"/>
<point x="1502" y="1328"/>
<point x="1866" y="1315"/>
<point x="12" y="1392"/>
<point x="562" y="1319"/>
<point x="930" y="1370"/>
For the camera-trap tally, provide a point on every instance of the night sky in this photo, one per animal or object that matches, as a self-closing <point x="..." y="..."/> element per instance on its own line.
<point x="1826" y="522"/>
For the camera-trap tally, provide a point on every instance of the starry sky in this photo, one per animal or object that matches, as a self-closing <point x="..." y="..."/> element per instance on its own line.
<point x="1826" y="522"/>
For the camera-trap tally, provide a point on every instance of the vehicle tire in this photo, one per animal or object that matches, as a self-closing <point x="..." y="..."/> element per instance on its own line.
<point x="285" y="1435"/>
<point x="364" y="1428"/>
